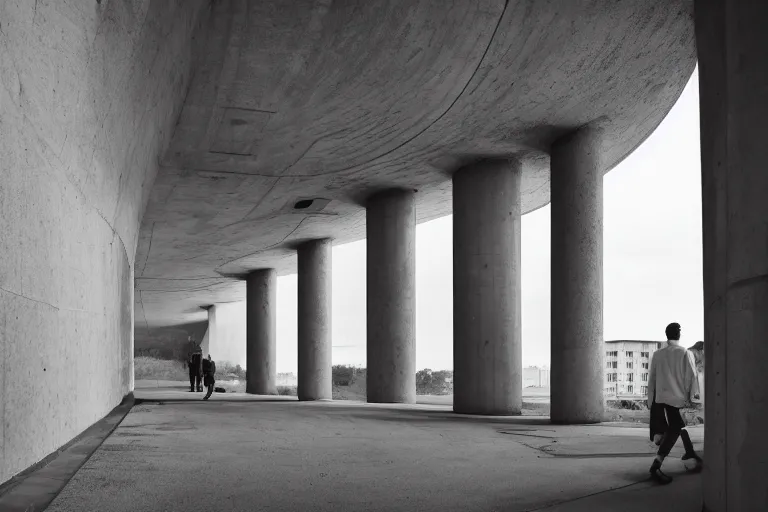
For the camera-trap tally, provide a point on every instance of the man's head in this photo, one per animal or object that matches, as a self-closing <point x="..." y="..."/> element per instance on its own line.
<point x="209" y="357"/>
<point x="673" y="332"/>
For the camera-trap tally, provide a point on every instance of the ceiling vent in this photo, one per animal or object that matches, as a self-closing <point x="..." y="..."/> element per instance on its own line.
<point x="310" y="205"/>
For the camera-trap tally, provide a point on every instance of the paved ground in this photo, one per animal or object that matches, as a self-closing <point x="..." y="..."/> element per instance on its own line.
<point x="249" y="453"/>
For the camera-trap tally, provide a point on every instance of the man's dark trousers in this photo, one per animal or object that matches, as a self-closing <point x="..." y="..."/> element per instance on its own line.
<point x="194" y="379"/>
<point x="667" y="420"/>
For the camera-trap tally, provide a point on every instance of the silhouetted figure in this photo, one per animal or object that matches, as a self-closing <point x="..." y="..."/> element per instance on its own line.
<point x="672" y="384"/>
<point x="195" y="370"/>
<point x="209" y="370"/>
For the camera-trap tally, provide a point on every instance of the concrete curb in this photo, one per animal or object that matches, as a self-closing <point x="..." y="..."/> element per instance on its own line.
<point x="35" y="488"/>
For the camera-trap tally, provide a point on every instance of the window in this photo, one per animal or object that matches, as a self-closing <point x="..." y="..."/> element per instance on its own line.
<point x="630" y="389"/>
<point x="615" y="364"/>
<point x="609" y="365"/>
<point x="630" y="377"/>
<point x="645" y="354"/>
<point x="629" y="364"/>
<point x="630" y="354"/>
<point x="611" y="377"/>
<point x="643" y="390"/>
<point x="644" y="377"/>
<point x="645" y="366"/>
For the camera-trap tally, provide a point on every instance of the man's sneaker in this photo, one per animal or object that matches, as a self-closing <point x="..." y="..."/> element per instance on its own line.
<point x="658" y="475"/>
<point x="699" y="463"/>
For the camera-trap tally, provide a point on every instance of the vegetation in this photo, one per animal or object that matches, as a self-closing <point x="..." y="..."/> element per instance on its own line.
<point x="348" y="382"/>
<point x="228" y="371"/>
<point x="434" y="383"/>
<point x="343" y="375"/>
<point x="159" y="369"/>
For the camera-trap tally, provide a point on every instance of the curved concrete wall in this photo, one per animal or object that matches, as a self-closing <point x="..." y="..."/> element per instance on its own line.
<point x="89" y="93"/>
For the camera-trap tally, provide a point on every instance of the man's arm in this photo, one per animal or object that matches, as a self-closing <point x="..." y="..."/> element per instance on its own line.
<point x="652" y="381"/>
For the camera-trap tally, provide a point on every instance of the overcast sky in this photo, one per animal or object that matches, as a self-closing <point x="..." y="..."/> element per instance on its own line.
<point x="652" y="261"/>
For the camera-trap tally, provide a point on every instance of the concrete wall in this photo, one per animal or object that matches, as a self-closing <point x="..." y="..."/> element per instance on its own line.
<point x="89" y="93"/>
<point x="226" y="333"/>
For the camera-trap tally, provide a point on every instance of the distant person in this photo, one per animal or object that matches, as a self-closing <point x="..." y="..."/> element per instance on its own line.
<point x="672" y="384"/>
<point x="195" y="370"/>
<point x="209" y="371"/>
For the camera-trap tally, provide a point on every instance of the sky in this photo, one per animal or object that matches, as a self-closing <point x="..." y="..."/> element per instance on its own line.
<point x="652" y="273"/>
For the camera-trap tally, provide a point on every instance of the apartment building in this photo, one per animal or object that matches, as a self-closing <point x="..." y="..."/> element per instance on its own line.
<point x="536" y="377"/>
<point x="627" y="364"/>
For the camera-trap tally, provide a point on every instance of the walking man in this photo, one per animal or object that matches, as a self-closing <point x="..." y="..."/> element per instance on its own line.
<point x="209" y="370"/>
<point x="672" y="385"/>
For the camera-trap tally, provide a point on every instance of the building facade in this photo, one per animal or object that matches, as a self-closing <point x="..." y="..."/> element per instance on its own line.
<point x="627" y="365"/>
<point x="536" y="377"/>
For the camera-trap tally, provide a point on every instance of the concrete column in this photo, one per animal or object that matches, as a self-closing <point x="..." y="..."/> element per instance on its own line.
<point x="261" y="296"/>
<point x="577" y="278"/>
<point x="314" y="333"/>
<point x="487" y="353"/>
<point x="391" y="297"/>
<point x="205" y="345"/>
<point x="733" y="48"/>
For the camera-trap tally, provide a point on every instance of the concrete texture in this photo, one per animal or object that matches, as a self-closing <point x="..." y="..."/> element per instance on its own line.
<point x="337" y="100"/>
<point x="577" y="278"/>
<point x="261" y="325"/>
<point x="731" y="41"/>
<point x="35" y="489"/>
<point x="487" y="327"/>
<point x="391" y="297"/>
<point x="315" y="381"/>
<point x="89" y="95"/>
<point x="275" y="455"/>
<point x="226" y="333"/>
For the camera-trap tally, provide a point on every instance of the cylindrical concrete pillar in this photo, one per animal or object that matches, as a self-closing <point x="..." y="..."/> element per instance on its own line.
<point x="391" y="297"/>
<point x="577" y="278"/>
<point x="261" y="297"/>
<point x="314" y="327"/>
<point x="487" y="354"/>
<point x="732" y="48"/>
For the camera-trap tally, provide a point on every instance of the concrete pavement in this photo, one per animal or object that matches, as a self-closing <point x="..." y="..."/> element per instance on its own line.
<point x="173" y="453"/>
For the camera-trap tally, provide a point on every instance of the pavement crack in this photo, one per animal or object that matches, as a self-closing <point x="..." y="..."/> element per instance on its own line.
<point x="563" y="502"/>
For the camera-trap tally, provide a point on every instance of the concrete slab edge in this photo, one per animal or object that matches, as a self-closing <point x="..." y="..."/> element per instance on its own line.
<point x="36" y="487"/>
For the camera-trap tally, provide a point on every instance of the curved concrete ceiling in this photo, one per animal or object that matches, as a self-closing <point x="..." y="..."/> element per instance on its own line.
<point x="336" y="100"/>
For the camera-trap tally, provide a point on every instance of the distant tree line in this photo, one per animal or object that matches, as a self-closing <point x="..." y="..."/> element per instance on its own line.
<point x="428" y="382"/>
